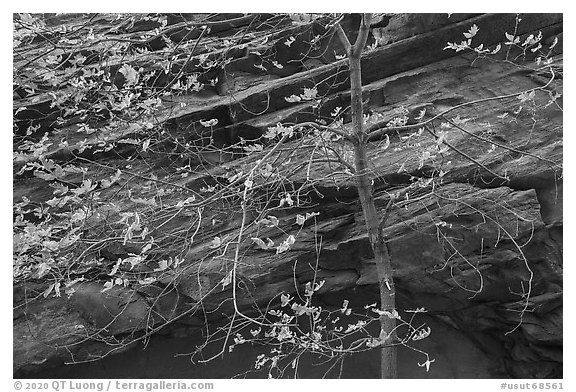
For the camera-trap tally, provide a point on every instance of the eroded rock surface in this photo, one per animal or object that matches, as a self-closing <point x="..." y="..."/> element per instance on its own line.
<point x="479" y="243"/>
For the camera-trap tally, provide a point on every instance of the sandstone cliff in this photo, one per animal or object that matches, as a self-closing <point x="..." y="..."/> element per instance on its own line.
<point x="475" y="245"/>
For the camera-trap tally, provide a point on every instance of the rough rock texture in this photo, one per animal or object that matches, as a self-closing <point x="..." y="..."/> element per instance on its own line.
<point x="474" y="249"/>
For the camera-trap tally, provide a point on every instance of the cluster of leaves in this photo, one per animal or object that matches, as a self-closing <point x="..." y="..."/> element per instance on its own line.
<point x="530" y="44"/>
<point x="298" y="326"/>
<point x="102" y="82"/>
<point x="529" y="51"/>
<point x="52" y="240"/>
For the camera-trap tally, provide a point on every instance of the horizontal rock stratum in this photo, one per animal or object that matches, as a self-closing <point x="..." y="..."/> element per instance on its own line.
<point x="477" y="240"/>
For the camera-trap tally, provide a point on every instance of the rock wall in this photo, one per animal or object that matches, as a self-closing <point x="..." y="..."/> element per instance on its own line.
<point x="475" y="245"/>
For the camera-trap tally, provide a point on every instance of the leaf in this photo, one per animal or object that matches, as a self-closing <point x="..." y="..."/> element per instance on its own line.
<point x="441" y="138"/>
<point x="47" y="292"/>
<point x="254" y="148"/>
<point x="421" y="334"/>
<point x="162" y="266"/>
<point x="74" y="281"/>
<point x="145" y="145"/>
<point x="209" y="123"/>
<point x="147" y="281"/>
<point x="147" y="247"/>
<point x="554" y="43"/>
<point x="285" y="299"/>
<point x="261" y="244"/>
<point x="525" y="96"/>
<point x="107" y="286"/>
<point x="267" y="170"/>
<point x="458" y="120"/>
<point x="289" y="41"/>
<point x="355" y="327"/>
<point x="311" y="215"/>
<point x="43" y="269"/>
<point x="287" y="199"/>
<point x="70" y="291"/>
<point x="134" y="260"/>
<point x="226" y="280"/>
<point x="84" y="188"/>
<point x="309" y="94"/>
<point x="129" y="73"/>
<point x="279" y="130"/>
<point x="107" y="183"/>
<point x="299" y="310"/>
<point x="115" y="268"/>
<point x="421" y="115"/>
<point x="284" y="334"/>
<point x="216" y="242"/>
<point x="285" y="245"/>
<point x="57" y="289"/>
<point x="300" y="219"/>
<point x="274" y="220"/>
<point x="51" y="245"/>
<point x="427" y="364"/>
<point x="372" y="343"/>
<point x="390" y="314"/>
<point x="472" y="32"/>
<point x="293" y="98"/>
<point x="59" y="189"/>
<point x="386" y="143"/>
<point x="383" y="336"/>
<point x="261" y="67"/>
<point x="344" y="306"/>
<point x="182" y="203"/>
<point x="308" y="289"/>
<point x="266" y="222"/>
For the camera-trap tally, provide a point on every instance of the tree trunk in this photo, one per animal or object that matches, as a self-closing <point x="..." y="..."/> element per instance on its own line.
<point x="383" y="264"/>
<point x="388" y="365"/>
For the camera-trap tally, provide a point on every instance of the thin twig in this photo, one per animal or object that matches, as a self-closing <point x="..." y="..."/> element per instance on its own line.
<point x="501" y="145"/>
<point x="379" y="129"/>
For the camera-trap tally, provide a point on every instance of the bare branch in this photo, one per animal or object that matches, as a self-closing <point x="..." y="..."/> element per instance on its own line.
<point x="501" y="145"/>
<point x="342" y="161"/>
<point x="468" y="157"/>
<point x="379" y="129"/>
<point x="362" y="34"/>
<point x="320" y="127"/>
<point x="387" y="211"/>
<point x="343" y="38"/>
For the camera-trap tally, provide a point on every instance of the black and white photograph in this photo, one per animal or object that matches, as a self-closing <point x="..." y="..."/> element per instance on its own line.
<point x="233" y="196"/>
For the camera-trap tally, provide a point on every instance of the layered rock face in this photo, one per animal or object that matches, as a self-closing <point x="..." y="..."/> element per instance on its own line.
<point x="476" y="238"/>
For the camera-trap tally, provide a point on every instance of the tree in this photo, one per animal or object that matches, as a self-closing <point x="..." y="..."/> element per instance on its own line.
<point x="374" y="223"/>
<point x="166" y="234"/>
